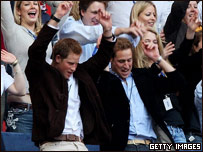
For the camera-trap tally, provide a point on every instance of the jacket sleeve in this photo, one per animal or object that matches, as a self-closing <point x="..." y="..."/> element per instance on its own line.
<point x="97" y="63"/>
<point x="182" y="52"/>
<point x="171" y="84"/>
<point x="174" y="20"/>
<point x="37" y="52"/>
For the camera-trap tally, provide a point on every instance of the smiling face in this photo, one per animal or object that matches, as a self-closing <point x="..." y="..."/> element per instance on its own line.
<point x="122" y="63"/>
<point x="149" y="38"/>
<point x="90" y="16"/>
<point x="148" y="16"/>
<point x="28" y="12"/>
<point x="191" y="11"/>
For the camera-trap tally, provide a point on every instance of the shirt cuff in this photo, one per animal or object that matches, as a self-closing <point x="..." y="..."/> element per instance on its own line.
<point x="56" y="28"/>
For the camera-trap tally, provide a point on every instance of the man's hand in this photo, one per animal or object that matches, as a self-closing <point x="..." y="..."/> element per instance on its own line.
<point x="106" y="22"/>
<point x="7" y="57"/>
<point x="63" y="8"/>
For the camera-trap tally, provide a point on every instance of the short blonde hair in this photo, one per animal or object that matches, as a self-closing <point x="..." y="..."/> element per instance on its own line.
<point x="38" y="24"/>
<point x="140" y="59"/>
<point x="138" y="8"/>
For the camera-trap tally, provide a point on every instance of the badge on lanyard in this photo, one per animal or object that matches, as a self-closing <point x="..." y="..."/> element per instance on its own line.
<point x="167" y="103"/>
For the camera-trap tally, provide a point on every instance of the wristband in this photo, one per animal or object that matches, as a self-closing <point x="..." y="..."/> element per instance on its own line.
<point x="109" y="37"/>
<point x="55" y="18"/>
<point x="159" y="60"/>
<point x="14" y="63"/>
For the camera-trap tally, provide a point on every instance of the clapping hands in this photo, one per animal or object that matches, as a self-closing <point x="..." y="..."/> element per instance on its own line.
<point x="7" y="57"/>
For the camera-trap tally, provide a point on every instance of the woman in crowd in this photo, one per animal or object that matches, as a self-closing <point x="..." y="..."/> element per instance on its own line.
<point x="169" y="114"/>
<point x="145" y="13"/>
<point x="176" y="24"/>
<point x="188" y="59"/>
<point x="19" y="32"/>
<point x="14" y="86"/>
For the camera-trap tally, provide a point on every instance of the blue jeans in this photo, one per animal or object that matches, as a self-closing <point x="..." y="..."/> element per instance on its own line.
<point x="19" y="120"/>
<point x="140" y="147"/>
<point x="177" y="134"/>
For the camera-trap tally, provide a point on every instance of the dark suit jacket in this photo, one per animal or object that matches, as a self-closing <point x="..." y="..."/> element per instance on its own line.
<point x="49" y="92"/>
<point x="116" y="104"/>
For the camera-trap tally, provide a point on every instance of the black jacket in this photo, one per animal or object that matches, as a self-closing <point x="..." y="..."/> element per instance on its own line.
<point x="49" y="92"/>
<point x="116" y="103"/>
<point x="174" y="21"/>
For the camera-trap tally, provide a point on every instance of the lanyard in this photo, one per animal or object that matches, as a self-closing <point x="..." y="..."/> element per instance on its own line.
<point x="34" y="36"/>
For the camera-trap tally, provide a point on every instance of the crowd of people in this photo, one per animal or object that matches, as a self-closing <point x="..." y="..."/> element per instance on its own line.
<point x="119" y="74"/>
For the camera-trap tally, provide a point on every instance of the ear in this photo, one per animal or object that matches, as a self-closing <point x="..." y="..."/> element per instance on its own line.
<point x="18" y="12"/>
<point x="82" y="13"/>
<point x="58" y="59"/>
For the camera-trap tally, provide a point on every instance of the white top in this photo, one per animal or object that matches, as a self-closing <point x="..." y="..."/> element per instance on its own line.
<point x="86" y="35"/>
<point x="73" y="122"/>
<point x="88" y="51"/>
<point x="120" y="11"/>
<point x="134" y="41"/>
<point x="200" y="10"/>
<point x="6" y="80"/>
<point x="81" y="33"/>
<point x="17" y="39"/>
<point x="78" y="31"/>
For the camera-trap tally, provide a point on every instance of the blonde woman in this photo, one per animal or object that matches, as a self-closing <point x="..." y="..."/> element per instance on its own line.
<point x="19" y="32"/>
<point x="168" y="112"/>
<point x="140" y="59"/>
<point x="145" y="12"/>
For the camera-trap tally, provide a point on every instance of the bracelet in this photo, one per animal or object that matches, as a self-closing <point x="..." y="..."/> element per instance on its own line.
<point x="55" y="18"/>
<point x="109" y="37"/>
<point x="159" y="60"/>
<point x="14" y="63"/>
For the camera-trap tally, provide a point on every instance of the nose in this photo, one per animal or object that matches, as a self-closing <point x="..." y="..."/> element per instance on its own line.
<point x="32" y="5"/>
<point x="126" y="65"/>
<point x="153" y="17"/>
<point x="73" y="67"/>
<point x="193" y="9"/>
<point x="97" y="16"/>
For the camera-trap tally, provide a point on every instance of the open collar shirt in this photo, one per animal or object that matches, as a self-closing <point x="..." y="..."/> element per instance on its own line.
<point x="140" y="120"/>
